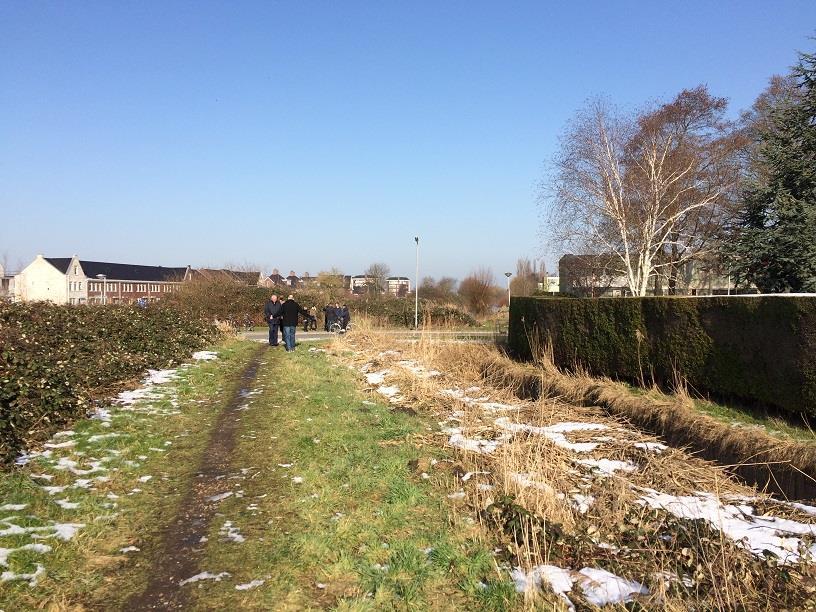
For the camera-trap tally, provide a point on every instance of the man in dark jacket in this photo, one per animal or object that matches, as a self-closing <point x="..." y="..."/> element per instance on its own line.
<point x="289" y="319"/>
<point x="272" y="315"/>
<point x="345" y="316"/>
<point x="328" y="319"/>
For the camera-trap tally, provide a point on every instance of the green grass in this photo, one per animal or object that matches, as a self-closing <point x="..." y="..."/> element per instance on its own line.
<point x="361" y="532"/>
<point x="90" y="570"/>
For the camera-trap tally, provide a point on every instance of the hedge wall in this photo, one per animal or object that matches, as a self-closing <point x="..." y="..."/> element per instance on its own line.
<point x="54" y="360"/>
<point x="756" y="349"/>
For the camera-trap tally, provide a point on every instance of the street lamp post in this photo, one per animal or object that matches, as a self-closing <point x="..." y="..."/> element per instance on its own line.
<point x="508" y="275"/>
<point x="104" y="287"/>
<point x="416" y="286"/>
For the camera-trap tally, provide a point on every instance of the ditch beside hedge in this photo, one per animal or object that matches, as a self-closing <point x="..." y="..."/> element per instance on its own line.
<point x="56" y="360"/>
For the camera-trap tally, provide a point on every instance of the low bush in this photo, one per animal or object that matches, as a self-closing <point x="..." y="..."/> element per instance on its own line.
<point x="755" y="349"/>
<point x="55" y="360"/>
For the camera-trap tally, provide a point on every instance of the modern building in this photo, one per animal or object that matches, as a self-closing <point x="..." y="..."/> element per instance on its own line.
<point x="599" y="276"/>
<point x="70" y="280"/>
<point x="399" y="286"/>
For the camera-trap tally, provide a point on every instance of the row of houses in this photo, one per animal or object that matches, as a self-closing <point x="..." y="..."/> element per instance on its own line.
<point x="71" y="280"/>
<point x="399" y="286"/>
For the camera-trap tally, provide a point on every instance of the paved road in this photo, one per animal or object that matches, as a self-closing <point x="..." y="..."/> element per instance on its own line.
<point x="313" y="336"/>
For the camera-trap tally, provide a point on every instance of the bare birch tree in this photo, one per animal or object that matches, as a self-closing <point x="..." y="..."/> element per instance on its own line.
<point x="644" y="188"/>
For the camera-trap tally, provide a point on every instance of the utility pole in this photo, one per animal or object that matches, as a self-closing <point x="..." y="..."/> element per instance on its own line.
<point x="104" y="287"/>
<point x="508" y="275"/>
<point x="416" y="286"/>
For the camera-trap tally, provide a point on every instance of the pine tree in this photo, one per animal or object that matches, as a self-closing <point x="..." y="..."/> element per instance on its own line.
<point x="776" y="234"/>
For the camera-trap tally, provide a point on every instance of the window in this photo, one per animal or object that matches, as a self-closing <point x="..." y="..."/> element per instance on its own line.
<point x="79" y="286"/>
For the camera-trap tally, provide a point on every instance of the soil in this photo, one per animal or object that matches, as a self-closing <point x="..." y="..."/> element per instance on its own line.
<point x="181" y="547"/>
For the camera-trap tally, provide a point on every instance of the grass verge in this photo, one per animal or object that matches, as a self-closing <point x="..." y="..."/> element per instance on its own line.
<point x="143" y="459"/>
<point x="329" y="509"/>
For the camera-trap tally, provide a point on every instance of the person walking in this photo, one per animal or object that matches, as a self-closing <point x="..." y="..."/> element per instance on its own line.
<point x="290" y="310"/>
<point x="272" y="315"/>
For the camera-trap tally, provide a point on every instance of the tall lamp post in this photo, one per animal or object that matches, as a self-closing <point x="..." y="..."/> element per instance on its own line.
<point x="416" y="286"/>
<point x="508" y="275"/>
<point x="104" y="279"/>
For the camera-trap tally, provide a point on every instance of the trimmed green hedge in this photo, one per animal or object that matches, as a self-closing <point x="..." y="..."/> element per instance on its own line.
<point x="756" y="349"/>
<point x="54" y="360"/>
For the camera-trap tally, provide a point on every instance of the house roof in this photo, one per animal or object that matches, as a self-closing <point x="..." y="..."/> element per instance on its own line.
<point x="117" y="271"/>
<point x="248" y="278"/>
<point x="400" y="278"/>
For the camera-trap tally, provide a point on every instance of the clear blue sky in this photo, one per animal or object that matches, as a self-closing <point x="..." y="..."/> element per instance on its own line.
<point x="307" y="135"/>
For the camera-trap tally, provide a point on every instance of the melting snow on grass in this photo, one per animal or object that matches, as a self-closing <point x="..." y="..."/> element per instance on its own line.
<point x="231" y="533"/>
<point x="205" y="576"/>
<point x="249" y="585"/>
<point x="205" y="355"/>
<point x="598" y="586"/>
<point x="555" y="433"/>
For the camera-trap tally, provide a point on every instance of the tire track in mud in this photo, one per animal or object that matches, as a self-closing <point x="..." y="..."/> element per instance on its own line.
<point x="182" y="546"/>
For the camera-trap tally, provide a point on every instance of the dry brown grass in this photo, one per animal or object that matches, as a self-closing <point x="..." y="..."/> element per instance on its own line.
<point x="537" y="517"/>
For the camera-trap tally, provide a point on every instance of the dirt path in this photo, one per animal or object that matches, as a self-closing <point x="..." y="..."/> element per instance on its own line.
<point x="182" y="540"/>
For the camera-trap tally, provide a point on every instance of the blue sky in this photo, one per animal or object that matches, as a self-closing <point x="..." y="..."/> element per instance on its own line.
<point x="308" y="135"/>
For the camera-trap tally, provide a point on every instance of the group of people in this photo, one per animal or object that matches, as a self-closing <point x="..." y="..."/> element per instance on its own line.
<point x="283" y="316"/>
<point x="336" y="314"/>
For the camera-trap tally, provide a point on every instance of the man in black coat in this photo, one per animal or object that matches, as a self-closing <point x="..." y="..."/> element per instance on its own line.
<point x="272" y="315"/>
<point x="345" y="316"/>
<point x="289" y="319"/>
<point x="327" y="317"/>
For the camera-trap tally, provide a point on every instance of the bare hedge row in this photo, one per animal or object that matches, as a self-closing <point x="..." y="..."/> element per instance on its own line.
<point x="56" y="360"/>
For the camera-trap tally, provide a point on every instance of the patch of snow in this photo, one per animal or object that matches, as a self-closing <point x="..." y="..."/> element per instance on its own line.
<point x="66" y="444"/>
<point x="457" y="495"/>
<point x="205" y="576"/>
<point x="205" y="355"/>
<point x="376" y="378"/>
<point x="651" y="446"/>
<point x="231" y="533"/>
<point x="601" y="587"/>
<point x="5" y="553"/>
<point x="252" y="584"/>
<point x="13" y="507"/>
<point x="66" y="531"/>
<point x="388" y="391"/>
<point x="66" y="504"/>
<point x="582" y="503"/>
<point x="608" y="466"/>
<point x="32" y="578"/>
<point x="758" y="534"/>
<point x="145" y="478"/>
<point x="555" y="433"/>
<point x="559" y="580"/>
<point x="476" y="445"/>
<point x="219" y="497"/>
<point x="99" y="437"/>
<point x="128" y="549"/>
<point x="297" y="479"/>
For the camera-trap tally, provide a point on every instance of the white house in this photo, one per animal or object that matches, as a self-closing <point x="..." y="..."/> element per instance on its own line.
<point x="69" y="280"/>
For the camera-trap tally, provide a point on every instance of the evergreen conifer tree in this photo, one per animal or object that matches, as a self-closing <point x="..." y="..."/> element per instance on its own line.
<point x="776" y="234"/>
